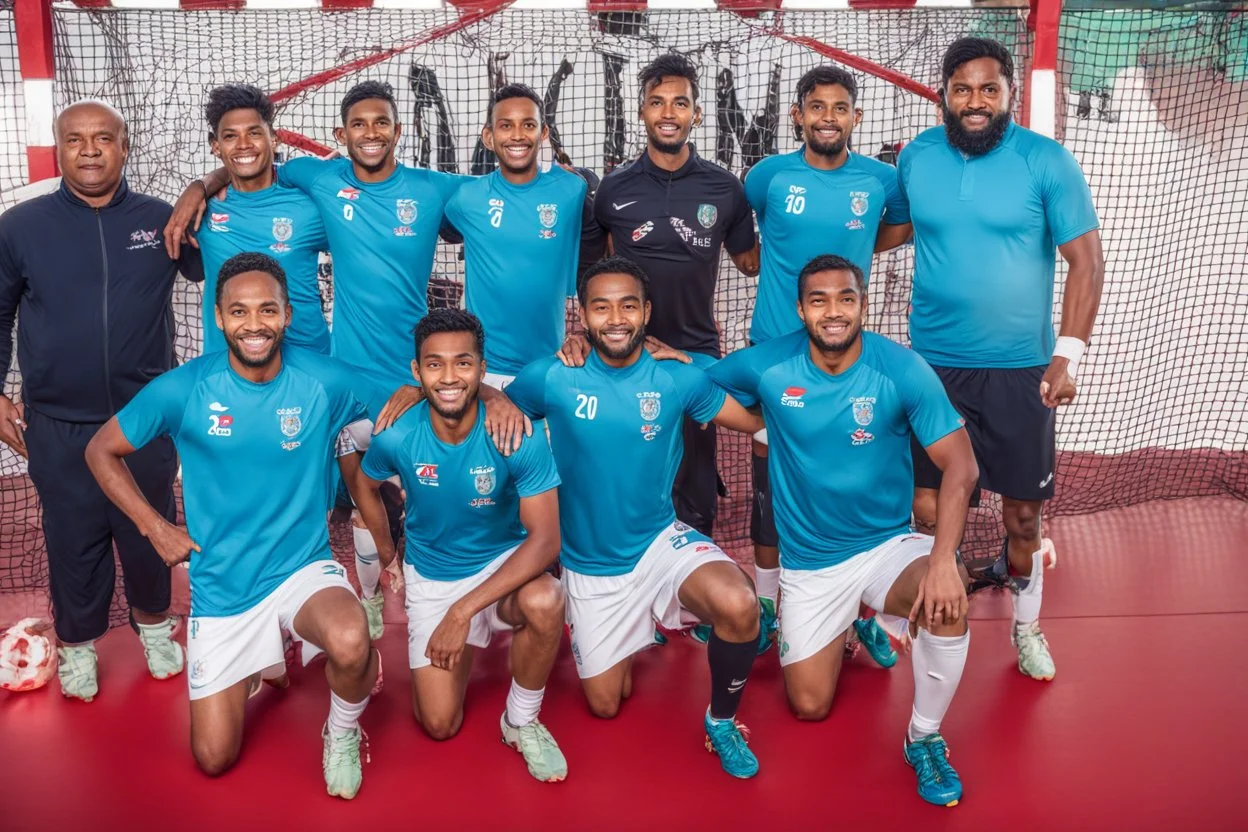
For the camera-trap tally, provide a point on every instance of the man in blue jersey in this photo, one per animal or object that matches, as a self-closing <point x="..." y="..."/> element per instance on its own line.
<point x="522" y="230"/>
<point x="820" y="198"/>
<point x="615" y="429"/>
<point x="482" y="529"/>
<point x="990" y="202"/>
<point x="841" y="407"/>
<point x="257" y="214"/>
<point x="255" y="427"/>
<point x="382" y="220"/>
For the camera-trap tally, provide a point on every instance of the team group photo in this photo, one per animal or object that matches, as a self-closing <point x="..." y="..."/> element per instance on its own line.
<point x="522" y="478"/>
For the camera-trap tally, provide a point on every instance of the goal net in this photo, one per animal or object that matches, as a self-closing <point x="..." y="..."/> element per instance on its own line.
<point x="1153" y="104"/>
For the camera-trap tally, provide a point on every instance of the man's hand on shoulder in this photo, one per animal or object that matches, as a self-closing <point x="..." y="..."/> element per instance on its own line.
<point x="504" y="422"/>
<point x="662" y="352"/>
<point x="574" y="350"/>
<point x="403" y="400"/>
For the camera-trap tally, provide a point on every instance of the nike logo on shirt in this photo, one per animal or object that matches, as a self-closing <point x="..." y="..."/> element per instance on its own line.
<point x="620" y="206"/>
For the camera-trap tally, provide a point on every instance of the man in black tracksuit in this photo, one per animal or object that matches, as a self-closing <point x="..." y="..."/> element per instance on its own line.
<point x="671" y="212"/>
<point x="86" y="269"/>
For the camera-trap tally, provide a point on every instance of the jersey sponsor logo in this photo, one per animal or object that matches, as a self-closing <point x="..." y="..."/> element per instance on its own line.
<point x="220" y="425"/>
<point x="620" y="206"/>
<point x="144" y="239"/>
<point x="217" y="407"/>
<point x="283" y="230"/>
<point x="217" y="222"/>
<point x="650" y="405"/>
<point x="707" y="214"/>
<point x="427" y="473"/>
<point x="405" y="210"/>
<point x="859" y="202"/>
<point x="860" y="437"/>
<point x="642" y="230"/>
<point x="483" y="479"/>
<point x="689" y="235"/>
<point x="855" y="225"/>
<point x="792" y="397"/>
<point x="291" y="424"/>
<point x="349" y="193"/>
<point x="864" y="409"/>
<point x="496" y="212"/>
<point x="650" y="432"/>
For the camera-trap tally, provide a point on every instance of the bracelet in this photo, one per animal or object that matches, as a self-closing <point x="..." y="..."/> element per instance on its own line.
<point x="1072" y="350"/>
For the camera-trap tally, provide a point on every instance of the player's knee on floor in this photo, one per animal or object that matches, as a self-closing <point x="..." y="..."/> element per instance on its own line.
<point x="605" y="707"/>
<point x="442" y="727"/>
<point x="214" y="757"/>
<point x="735" y="611"/>
<point x="811" y="706"/>
<point x="542" y="604"/>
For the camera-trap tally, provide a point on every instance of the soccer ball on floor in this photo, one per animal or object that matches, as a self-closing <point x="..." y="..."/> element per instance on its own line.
<point x="27" y="657"/>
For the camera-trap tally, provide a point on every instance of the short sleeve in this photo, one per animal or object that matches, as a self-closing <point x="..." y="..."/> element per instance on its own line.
<point x="380" y="459"/>
<point x="896" y="205"/>
<point x="932" y="417"/>
<point x="317" y="238"/>
<point x="355" y="393"/>
<point x="1067" y="198"/>
<point x="302" y="171"/>
<point x="757" y="183"/>
<point x="448" y="184"/>
<point x="158" y="409"/>
<point x="190" y="263"/>
<point x="703" y="398"/>
<point x="528" y="390"/>
<point x="533" y="467"/>
<point x="735" y="373"/>
<point x="740" y="237"/>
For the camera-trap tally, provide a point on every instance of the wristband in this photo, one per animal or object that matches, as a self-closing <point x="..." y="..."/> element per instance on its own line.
<point x="1072" y="350"/>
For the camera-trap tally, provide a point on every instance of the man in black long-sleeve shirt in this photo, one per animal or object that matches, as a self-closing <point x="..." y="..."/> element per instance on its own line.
<point x="86" y="268"/>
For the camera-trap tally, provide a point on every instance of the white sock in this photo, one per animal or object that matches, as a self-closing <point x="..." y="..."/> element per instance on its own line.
<point x="1027" y="602"/>
<point x="367" y="562"/>
<point x="344" y="716"/>
<point x="523" y="704"/>
<point x="767" y="582"/>
<point x="938" y="662"/>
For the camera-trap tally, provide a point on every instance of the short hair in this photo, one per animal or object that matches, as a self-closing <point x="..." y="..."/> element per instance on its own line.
<point x="830" y="263"/>
<point x="252" y="261"/>
<point x="671" y="65"/>
<point x="515" y="91"/>
<point x="232" y="97"/>
<point x="965" y="50"/>
<point x="450" y="320"/>
<point x="826" y="74"/>
<point x="614" y="264"/>
<point x="365" y="90"/>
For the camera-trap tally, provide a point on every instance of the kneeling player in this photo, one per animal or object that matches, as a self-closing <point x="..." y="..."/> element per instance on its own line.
<point x="255" y="427"/>
<point x="840" y="406"/>
<point x="615" y="428"/>
<point x="481" y="530"/>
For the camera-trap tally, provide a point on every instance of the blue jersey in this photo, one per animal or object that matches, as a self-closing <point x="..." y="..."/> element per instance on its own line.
<point x="985" y="235"/>
<point x="382" y="236"/>
<point x="256" y="466"/>
<point x="842" y="480"/>
<point x="284" y="224"/>
<point x="463" y="501"/>
<point x="804" y="212"/>
<point x="616" y="435"/>
<point x="520" y="255"/>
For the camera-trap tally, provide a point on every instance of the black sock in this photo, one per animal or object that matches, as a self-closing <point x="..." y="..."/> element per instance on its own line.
<point x="730" y="668"/>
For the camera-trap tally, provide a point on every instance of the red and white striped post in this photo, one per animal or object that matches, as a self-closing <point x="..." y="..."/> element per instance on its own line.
<point x="1040" y="91"/>
<point x="33" y="19"/>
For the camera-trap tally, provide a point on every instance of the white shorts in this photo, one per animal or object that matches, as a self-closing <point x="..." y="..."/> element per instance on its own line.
<point x="224" y="650"/>
<point x="611" y="617"/>
<point x="345" y="444"/>
<point x="761" y="437"/>
<point x="360" y="433"/>
<point x="498" y="381"/>
<point x="817" y="605"/>
<point x="427" y="602"/>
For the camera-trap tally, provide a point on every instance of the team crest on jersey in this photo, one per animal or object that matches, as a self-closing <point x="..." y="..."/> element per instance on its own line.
<point x="548" y="214"/>
<point x="650" y="405"/>
<point x="707" y="214"/>
<point x="406" y="210"/>
<point x="288" y="418"/>
<point x="483" y="479"/>
<point x="864" y="409"/>
<point x="858" y="202"/>
<point x="283" y="230"/>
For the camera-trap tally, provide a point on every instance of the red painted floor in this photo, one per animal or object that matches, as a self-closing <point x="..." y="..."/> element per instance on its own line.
<point x="1142" y="729"/>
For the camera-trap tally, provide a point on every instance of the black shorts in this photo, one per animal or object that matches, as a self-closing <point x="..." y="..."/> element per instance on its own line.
<point x="762" y="518"/>
<point x="695" y="493"/>
<point x="1011" y="430"/>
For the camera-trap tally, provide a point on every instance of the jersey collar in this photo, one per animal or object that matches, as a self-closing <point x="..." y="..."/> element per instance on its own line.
<point x="648" y="165"/>
<point x="123" y="191"/>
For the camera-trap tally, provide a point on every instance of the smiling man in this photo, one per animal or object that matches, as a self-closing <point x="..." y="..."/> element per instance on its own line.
<point x="85" y="269"/>
<point x="992" y="203"/>
<point x="255" y="425"/>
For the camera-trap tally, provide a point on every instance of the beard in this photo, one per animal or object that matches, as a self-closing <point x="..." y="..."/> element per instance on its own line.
<point x="616" y="353"/>
<point x="830" y="149"/>
<point x="254" y="363"/>
<point x="454" y="413"/>
<point x="975" y="142"/>
<point x="662" y="145"/>
<point x="851" y="335"/>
